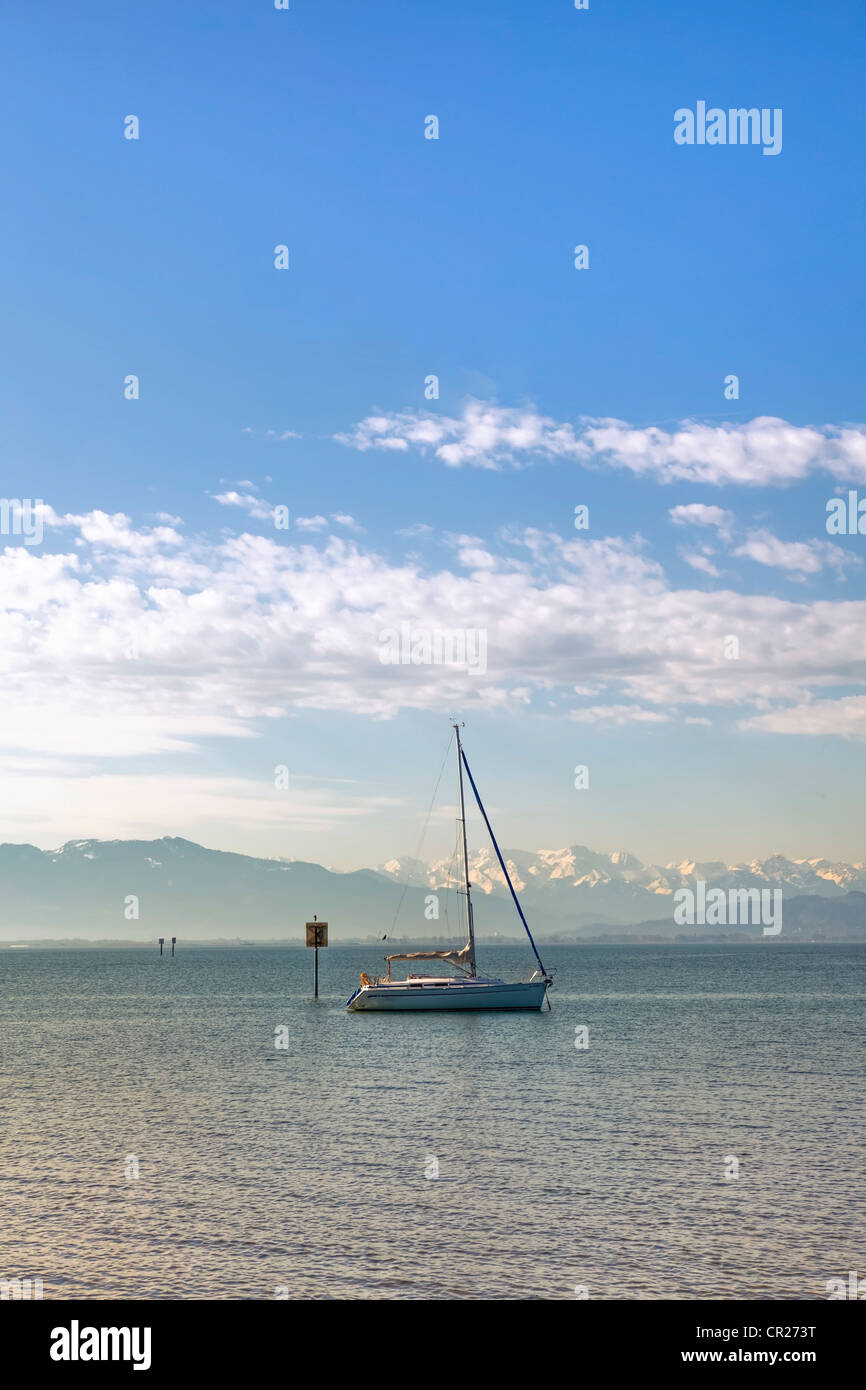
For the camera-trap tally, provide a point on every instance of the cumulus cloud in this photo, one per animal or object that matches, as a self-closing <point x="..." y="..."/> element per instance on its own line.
<point x="114" y="531"/>
<point x="802" y="557"/>
<point x="344" y="519"/>
<point x="486" y="436"/>
<point x="765" y="451"/>
<point x="762" y="452"/>
<point x="103" y="657"/>
<point x="698" y="514"/>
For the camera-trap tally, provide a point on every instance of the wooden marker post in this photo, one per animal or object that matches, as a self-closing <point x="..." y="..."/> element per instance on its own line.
<point x="161" y="940"/>
<point x="173" y="940"/>
<point x="317" y="935"/>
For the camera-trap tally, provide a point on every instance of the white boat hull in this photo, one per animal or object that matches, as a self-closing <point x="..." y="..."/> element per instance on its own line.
<point x="479" y="994"/>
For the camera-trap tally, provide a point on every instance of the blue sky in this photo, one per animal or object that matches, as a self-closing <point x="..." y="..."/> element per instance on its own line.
<point x="455" y="257"/>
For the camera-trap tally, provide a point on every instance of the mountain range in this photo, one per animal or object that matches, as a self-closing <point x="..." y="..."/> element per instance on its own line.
<point x="583" y="885"/>
<point x="138" y="889"/>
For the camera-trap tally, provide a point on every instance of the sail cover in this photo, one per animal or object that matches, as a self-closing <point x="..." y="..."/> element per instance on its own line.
<point x="463" y="957"/>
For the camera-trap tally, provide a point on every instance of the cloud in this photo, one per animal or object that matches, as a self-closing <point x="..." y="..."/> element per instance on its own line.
<point x="698" y="514"/>
<point x="55" y="729"/>
<point x="802" y="557"/>
<point x="114" y="531"/>
<point x="766" y="451"/>
<point x="618" y="714"/>
<point x="270" y="434"/>
<point x="343" y="519"/>
<point x="109" y="652"/>
<point x="255" y="506"/>
<point x="700" y="561"/>
<point x="762" y="452"/>
<point x="311" y="523"/>
<point x="485" y="436"/>
<point x="121" y="805"/>
<point x="418" y="528"/>
<point x="843" y="718"/>
<point x="797" y="557"/>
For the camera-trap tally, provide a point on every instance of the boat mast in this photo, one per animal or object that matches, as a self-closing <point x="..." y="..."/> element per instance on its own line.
<point x="504" y="869"/>
<point x="470" y="925"/>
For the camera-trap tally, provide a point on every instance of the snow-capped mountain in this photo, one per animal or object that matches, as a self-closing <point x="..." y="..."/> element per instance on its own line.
<point x="138" y="889"/>
<point x="583" y="884"/>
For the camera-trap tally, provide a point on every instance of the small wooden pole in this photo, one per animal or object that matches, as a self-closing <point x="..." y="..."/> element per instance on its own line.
<point x="173" y="940"/>
<point x="317" y="935"/>
<point x="161" y="940"/>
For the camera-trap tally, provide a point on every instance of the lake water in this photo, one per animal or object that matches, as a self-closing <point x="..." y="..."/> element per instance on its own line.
<point x="304" y="1168"/>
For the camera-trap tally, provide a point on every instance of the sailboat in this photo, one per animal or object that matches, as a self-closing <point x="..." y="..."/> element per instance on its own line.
<point x="468" y="989"/>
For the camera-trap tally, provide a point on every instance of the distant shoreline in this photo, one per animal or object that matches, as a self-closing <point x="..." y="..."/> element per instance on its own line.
<point x="294" y="944"/>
